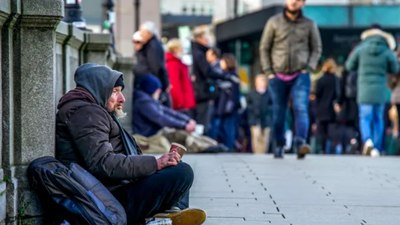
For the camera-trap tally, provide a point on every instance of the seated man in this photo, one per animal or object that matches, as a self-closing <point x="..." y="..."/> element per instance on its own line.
<point x="153" y="121"/>
<point x="88" y="133"/>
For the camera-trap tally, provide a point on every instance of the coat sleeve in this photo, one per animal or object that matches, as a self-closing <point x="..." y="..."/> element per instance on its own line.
<point x="90" y="128"/>
<point x="156" y="62"/>
<point x="158" y="114"/>
<point x="315" y="47"/>
<point x="266" y="46"/>
<point x="352" y="61"/>
<point x="393" y="64"/>
<point x="177" y="90"/>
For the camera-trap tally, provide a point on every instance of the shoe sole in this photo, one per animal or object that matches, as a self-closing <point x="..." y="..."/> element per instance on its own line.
<point x="185" y="217"/>
<point x="303" y="151"/>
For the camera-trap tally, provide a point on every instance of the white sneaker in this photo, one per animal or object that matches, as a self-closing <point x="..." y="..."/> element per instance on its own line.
<point x="375" y="153"/>
<point x="368" y="146"/>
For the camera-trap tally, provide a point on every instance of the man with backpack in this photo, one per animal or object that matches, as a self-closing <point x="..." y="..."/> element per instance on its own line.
<point x="88" y="133"/>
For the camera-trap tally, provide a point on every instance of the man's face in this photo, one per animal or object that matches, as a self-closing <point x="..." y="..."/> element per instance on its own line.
<point x="210" y="56"/>
<point x="146" y="35"/>
<point x="203" y="40"/>
<point x="116" y="101"/>
<point x="295" y="5"/>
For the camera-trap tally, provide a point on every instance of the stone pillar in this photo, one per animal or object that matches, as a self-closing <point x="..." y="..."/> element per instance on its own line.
<point x="30" y="95"/>
<point x="125" y="64"/>
<point x="5" y="9"/>
<point x="73" y="55"/>
<point x="97" y="49"/>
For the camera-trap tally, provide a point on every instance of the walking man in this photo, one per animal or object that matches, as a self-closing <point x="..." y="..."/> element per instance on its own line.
<point x="290" y="47"/>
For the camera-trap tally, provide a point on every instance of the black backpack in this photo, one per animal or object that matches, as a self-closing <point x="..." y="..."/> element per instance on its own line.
<point x="71" y="195"/>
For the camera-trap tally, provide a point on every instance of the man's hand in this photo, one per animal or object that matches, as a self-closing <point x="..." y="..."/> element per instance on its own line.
<point x="190" y="126"/>
<point x="168" y="159"/>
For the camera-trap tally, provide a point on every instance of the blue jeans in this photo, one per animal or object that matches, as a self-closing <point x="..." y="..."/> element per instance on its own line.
<point x="372" y="123"/>
<point x="299" y="91"/>
<point x="224" y="129"/>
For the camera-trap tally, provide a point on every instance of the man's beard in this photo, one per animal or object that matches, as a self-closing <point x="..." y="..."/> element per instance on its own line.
<point x="293" y="12"/>
<point x="119" y="113"/>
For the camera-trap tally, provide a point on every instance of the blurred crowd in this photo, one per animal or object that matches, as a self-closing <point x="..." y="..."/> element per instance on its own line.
<point x="353" y="108"/>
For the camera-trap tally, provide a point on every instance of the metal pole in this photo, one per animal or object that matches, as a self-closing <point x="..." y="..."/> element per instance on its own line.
<point x="137" y="14"/>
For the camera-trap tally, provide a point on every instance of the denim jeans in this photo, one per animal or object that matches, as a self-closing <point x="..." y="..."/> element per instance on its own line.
<point x="224" y="129"/>
<point x="299" y="91"/>
<point x="372" y="123"/>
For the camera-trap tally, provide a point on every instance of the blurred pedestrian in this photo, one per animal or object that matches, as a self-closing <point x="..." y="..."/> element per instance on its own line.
<point x="290" y="46"/>
<point x="158" y="125"/>
<point x="151" y="60"/>
<point x="373" y="59"/>
<point x="227" y="104"/>
<point x="213" y="57"/>
<point x="204" y="79"/>
<point x="326" y="93"/>
<point x="259" y="106"/>
<point x="182" y="92"/>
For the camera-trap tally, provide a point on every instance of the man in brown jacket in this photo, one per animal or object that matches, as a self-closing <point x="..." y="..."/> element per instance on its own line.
<point x="290" y="46"/>
<point x="88" y="133"/>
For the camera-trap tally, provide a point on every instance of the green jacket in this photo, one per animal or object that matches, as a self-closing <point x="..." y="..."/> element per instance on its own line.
<point x="289" y="46"/>
<point x="373" y="60"/>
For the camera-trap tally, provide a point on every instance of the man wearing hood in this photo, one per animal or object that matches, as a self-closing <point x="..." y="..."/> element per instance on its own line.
<point x="289" y="48"/>
<point x="373" y="59"/>
<point x="88" y="133"/>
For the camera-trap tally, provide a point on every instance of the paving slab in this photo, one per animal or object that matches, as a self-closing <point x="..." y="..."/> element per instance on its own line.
<point x="257" y="189"/>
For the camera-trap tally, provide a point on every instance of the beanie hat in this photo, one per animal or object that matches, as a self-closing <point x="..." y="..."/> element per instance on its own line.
<point x="149" y="84"/>
<point x="120" y="82"/>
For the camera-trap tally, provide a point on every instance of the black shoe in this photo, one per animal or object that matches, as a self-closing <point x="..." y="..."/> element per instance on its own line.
<point x="278" y="154"/>
<point x="303" y="150"/>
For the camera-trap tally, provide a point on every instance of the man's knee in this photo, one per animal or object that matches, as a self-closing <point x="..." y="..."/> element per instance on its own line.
<point x="182" y="173"/>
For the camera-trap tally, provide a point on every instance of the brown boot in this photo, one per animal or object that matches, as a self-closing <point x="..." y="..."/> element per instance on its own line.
<point x="185" y="217"/>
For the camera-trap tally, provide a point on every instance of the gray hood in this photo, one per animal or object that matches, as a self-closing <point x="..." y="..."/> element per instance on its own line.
<point x="99" y="80"/>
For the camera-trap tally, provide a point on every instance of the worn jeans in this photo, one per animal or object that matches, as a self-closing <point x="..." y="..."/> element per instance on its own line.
<point x="156" y="193"/>
<point x="224" y="129"/>
<point x="372" y="123"/>
<point x="299" y="91"/>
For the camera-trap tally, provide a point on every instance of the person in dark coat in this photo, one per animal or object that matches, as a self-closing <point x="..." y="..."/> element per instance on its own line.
<point x="204" y="79"/>
<point x="151" y="59"/>
<point x="259" y="107"/>
<point x="326" y="93"/>
<point x="88" y="132"/>
<point x="151" y="116"/>
<point x="226" y="106"/>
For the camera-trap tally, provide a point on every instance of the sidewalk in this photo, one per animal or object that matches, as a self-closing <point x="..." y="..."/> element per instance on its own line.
<point x="257" y="189"/>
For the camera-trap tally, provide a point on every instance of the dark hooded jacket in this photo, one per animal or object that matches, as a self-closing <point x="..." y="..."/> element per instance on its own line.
<point x="87" y="134"/>
<point x="151" y="116"/>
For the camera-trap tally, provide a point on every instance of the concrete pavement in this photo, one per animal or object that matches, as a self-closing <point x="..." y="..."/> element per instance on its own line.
<point x="257" y="189"/>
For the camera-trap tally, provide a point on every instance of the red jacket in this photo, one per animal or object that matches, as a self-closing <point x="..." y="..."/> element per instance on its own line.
<point x="181" y="86"/>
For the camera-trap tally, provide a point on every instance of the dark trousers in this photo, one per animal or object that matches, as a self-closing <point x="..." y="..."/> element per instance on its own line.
<point x="155" y="193"/>
<point x="203" y="114"/>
